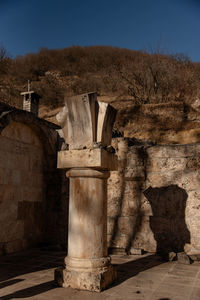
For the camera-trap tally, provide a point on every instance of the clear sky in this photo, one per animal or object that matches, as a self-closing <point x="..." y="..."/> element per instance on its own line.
<point x="172" y="26"/>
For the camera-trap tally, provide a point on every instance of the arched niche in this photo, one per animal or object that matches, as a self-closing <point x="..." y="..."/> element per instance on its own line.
<point x="27" y="162"/>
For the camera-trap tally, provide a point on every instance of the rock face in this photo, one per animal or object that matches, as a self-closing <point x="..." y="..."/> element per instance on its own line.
<point x="154" y="197"/>
<point x="87" y="128"/>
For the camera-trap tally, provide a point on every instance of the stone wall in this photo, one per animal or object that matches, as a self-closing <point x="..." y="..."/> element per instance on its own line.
<point x="33" y="192"/>
<point x="154" y="197"/>
<point x="22" y="187"/>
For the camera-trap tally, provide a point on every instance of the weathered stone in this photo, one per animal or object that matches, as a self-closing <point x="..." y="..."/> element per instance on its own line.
<point x="172" y="256"/>
<point x="93" y="158"/>
<point x="111" y="224"/>
<point x="24" y="139"/>
<point x="130" y="204"/>
<point x="87" y="124"/>
<point x="120" y="241"/>
<point x="135" y="251"/>
<point x="126" y="225"/>
<point x="136" y="173"/>
<point x="86" y="280"/>
<point x="84" y="121"/>
<point x="183" y="258"/>
<point x="173" y="151"/>
<point x="192" y="252"/>
<point x="166" y="164"/>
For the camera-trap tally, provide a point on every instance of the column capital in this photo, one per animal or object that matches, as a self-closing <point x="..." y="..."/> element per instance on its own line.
<point x="97" y="158"/>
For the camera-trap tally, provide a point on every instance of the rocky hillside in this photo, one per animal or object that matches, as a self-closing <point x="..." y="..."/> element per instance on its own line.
<point x="157" y="95"/>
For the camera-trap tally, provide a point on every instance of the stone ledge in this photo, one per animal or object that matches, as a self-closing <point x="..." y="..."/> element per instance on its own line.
<point x="92" y="280"/>
<point x="87" y="158"/>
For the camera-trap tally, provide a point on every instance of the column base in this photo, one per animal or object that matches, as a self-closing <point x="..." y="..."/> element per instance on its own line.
<point x="91" y="280"/>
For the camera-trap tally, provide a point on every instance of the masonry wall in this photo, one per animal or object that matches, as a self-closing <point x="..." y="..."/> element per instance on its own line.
<point x="154" y="197"/>
<point x="22" y="188"/>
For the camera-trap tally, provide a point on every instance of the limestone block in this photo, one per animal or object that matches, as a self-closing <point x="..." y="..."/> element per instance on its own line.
<point x="193" y="197"/>
<point x="159" y="179"/>
<point x="183" y="258"/>
<point x="193" y="163"/>
<point x="134" y="158"/>
<point x="137" y="173"/>
<point x="121" y="151"/>
<point x="91" y="280"/>
<point x="144" y="239"/>
<point x="130" y="205"/>
<point x="115" y="185"/>
<point x="21" y="155"/>
<point x="135" y="152"/>
<point x="192" y="210"/>
<point x="111" y="225"/>
<point x="106" y="118"/>
<point x="120" y="241"/>
<point x="166" y="164"/>
<point x="109" y="240"/>
<point x="134" y="162"/>
<point x="190" y="181"/>
<point x="135" y="251"/>
<point x="173" y="151"/>
<point x="192" y="252"/>
<point x="127" y="224"/>
<point x="114" y="207"/>
<point x="84" y="121"/>
<point x="192" y="222"/>
<point x="91" y="158"/>
<point x="131" y="198"/>
<point x="134" y="187"/>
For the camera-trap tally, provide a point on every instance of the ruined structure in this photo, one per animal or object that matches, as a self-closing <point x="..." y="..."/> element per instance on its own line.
<point x="154" y="198"/>
<point x="28" y="175"/>
<point x="87" y="127"/>
<point x="148" y="200"/>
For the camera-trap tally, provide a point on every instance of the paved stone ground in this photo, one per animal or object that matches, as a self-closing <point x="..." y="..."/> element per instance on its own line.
<point x="29" y="275"/>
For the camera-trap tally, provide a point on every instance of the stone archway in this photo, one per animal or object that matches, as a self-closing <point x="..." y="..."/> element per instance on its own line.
<point x="21" y="187"/>
<point x="28" y="148"/>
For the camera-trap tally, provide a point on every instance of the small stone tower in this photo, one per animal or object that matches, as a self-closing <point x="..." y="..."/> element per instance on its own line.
<point x="30" y="101"/>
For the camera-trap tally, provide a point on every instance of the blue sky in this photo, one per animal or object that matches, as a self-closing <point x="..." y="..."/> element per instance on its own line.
<point x="172" y="26"/>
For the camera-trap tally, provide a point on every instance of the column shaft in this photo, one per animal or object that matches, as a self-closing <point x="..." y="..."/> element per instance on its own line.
<point x="87" y="218"/>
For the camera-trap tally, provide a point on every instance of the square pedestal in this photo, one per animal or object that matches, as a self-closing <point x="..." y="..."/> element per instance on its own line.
<point x="92" y="280"/>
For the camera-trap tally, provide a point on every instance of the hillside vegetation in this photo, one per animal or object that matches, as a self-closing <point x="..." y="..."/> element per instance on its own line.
<point x="157" y="95"/>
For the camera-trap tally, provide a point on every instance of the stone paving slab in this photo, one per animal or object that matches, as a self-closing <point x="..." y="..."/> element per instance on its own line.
<point x="29" y="275"/>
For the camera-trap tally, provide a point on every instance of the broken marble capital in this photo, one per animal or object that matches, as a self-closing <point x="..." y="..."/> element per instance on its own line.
<point x="87" y="128"/>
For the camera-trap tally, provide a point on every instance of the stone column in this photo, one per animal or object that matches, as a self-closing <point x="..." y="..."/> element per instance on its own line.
<point x="88" y="265"/>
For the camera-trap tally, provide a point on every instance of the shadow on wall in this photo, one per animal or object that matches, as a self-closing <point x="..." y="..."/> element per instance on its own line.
<point x="168" y="221"/>
<point x="125" y="188"/>
<point x="152" y="219"/>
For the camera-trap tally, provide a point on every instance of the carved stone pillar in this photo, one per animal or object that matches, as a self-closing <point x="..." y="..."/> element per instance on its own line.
<point x="88" y="161"/>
